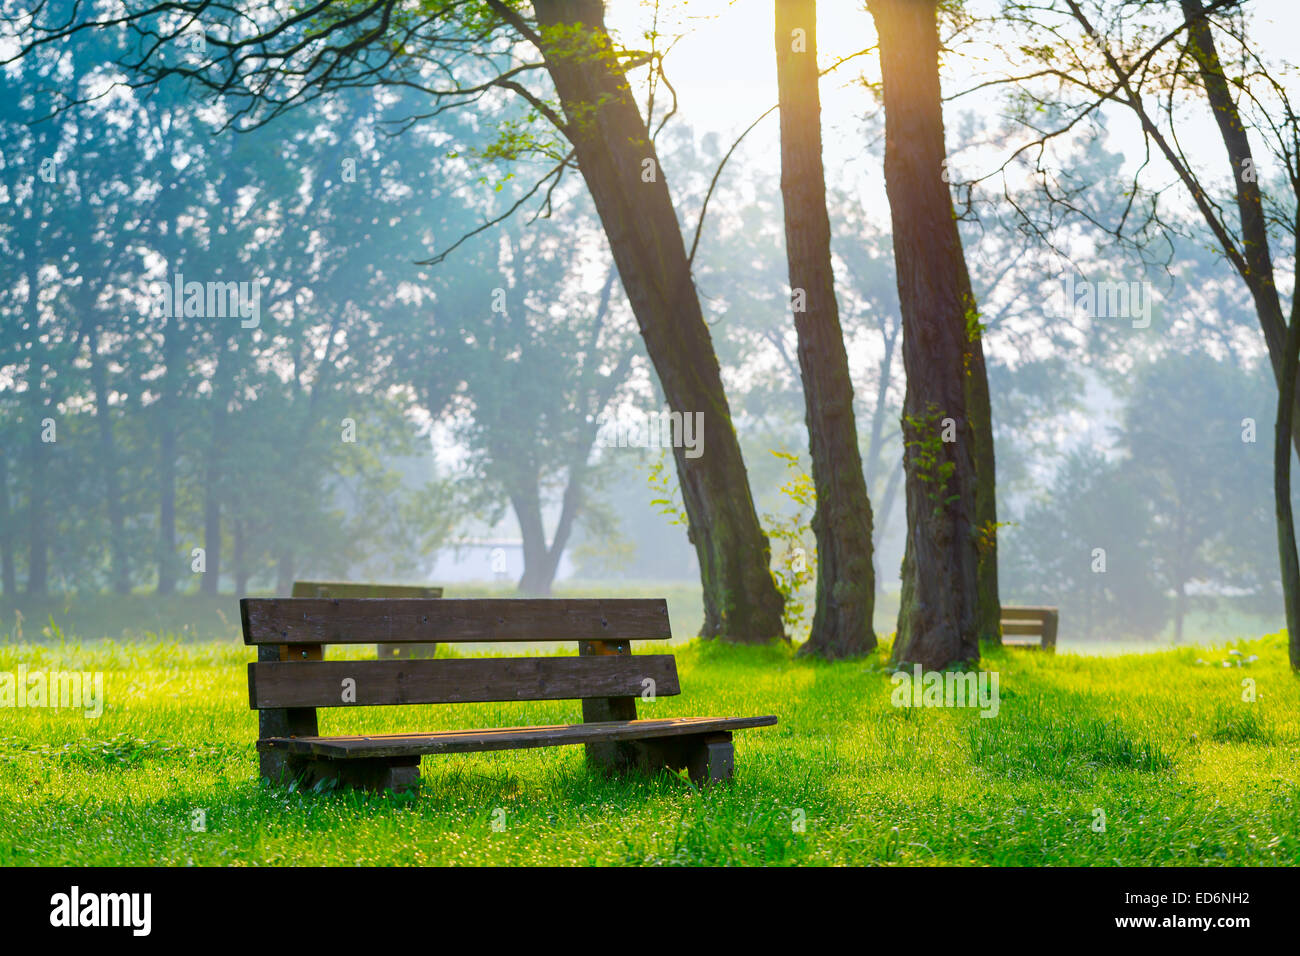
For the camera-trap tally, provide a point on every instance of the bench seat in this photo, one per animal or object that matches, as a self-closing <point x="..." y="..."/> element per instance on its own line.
<point x="506" y="738"/>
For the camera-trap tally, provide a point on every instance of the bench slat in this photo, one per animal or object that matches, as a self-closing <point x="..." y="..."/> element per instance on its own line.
<point x="447" y="620"/>
<point x="353" y="589"/>
<point x="505" y="738"/>
<point x="1023" y="627"/>
<point x="1022" y="612"/>
<point x="469" y="680"/>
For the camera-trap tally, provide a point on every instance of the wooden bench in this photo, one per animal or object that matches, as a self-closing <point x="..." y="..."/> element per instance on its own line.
<point x="1039" y="622"/>
<point x="291" y="679"/>
<point x="347" y="589"/>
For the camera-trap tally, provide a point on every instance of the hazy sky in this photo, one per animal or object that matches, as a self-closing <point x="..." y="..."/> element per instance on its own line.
<point x="725" y="73"/>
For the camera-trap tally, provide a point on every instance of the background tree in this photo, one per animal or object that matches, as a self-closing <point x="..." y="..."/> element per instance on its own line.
<point x="846" y="584"/>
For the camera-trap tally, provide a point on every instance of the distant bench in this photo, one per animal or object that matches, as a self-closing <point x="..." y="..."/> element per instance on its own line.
<point x="1039" y="622"/>
<point x="291" y="679"/>
<point x="348" y="589"/>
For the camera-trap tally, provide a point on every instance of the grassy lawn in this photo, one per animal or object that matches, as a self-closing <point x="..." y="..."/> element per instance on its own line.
<point x="1184" y="770"/>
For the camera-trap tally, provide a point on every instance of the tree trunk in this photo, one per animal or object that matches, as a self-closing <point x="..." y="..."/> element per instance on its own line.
<point x="939" y="619"/>
<point x="166" y="504"/>
<point x="119" y="570"/>
<point x="619" y="165"/>
<point x="214" y="471"/>
<point x="211" y="526"/>
<point x="846" y="585"/>
<point x="240" y="557"/>
<point x="542" y="561"/>
<point x="980" y="410"/>
<point x="1255" y="251"/>
<point x="536" y="580"/>
<point x="1286" y="543"/>
<point x="37" y="542"/>
<point x="8" y="574"/>
<point x="167" y="427"/>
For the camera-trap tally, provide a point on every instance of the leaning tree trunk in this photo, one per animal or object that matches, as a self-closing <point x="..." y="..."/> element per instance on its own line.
<point x="939" y="618"/>
<point x="1256" y="263"/>
<point x="846" y="584"/>
<point x="619" y="164"/>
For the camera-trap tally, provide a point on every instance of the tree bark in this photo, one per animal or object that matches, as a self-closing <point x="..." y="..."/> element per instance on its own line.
<point x="618" y="162"/>
<point x="980" y="410"/>
<point x="846" y="586"/>
<point x="1286" y="543"/>
<point x="939" y="618"/>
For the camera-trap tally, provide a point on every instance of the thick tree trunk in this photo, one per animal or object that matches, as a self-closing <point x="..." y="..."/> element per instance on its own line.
<point x="846" y="585"/>
<point x="537" y="576"/>
<point x="618" y="162"/>
<point x="939" y="619"/>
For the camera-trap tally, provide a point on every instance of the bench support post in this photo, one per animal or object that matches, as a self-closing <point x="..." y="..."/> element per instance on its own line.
<point x="707" y="758"/>
<point x="614" y="756"/>
<point x="375" y="774"/>
<point x="287" y="722"/>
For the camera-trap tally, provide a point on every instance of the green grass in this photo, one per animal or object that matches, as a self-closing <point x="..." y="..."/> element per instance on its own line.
<point x="1184" y="770"/>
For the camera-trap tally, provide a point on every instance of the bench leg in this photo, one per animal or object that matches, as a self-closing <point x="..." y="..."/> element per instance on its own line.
<point x="711" y="759"/>
<point x="399" y="774"/>
<point x="708" y="758"/>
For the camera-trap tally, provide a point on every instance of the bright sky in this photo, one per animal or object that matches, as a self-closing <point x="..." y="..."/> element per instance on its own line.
<point x="724" y="71"/>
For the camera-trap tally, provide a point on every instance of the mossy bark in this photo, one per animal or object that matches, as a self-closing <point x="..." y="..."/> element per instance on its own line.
<point x="940" y="616"/>
<point x="846" y="586"/>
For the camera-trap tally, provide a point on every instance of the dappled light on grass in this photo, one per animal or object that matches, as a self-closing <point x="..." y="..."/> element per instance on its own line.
<point x="1185" y="770"/>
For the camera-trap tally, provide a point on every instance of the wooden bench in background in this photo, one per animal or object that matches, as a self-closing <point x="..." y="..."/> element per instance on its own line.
<point x="1039" y="622"/>
<point x="291" y="679"/>
<point x="345" y="589"/>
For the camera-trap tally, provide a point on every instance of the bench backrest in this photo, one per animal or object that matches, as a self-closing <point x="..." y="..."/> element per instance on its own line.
<point x="351" y="589"/>
<point x="291" y="632"/>
<point x="1039" y="622"/>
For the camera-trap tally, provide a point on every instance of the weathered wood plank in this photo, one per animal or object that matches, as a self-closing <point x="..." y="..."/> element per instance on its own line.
<point x="455" y="681"/>
<point x="354" y="589"/>
<point x="506" y="738"/>
<point x="1023" y="612"/>
<point x="383" y="620"/>
<point x="1021" y="627"/>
